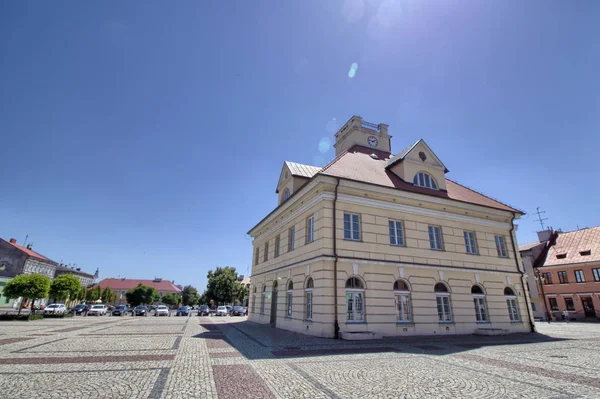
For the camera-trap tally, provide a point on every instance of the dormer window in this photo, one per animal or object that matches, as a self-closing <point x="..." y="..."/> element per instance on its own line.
<point x="422" y="179"/>
<point x="286" y="194"/>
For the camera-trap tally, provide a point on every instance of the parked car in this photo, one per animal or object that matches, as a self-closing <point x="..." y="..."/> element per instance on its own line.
<point x="222" y="311"/>
<point x="238" y="311"/>
<point x="55" y="308"/>
<point x="151" y="307"/>
<point x="140" y="311"/>
<point x="97" y="310"/>
<point x="203" y="310"/>
<point x="161" y="310"/>
<point x="78" y="309"/>
<point x="183" y="311"/>
<point x="120" y="310"/>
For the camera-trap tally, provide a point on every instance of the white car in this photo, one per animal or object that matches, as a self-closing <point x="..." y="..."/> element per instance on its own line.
<point x="161" y="311"/>
<point x="97" y="310"/>
<point x="222" y="311"/>
<point x="55" y="308"/>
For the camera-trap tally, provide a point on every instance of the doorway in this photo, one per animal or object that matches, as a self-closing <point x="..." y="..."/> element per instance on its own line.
<point x="274" y="305"/>
<point x="588" y="306"/>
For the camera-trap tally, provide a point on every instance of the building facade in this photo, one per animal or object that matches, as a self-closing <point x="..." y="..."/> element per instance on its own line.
<point x="570" y="275"/>
<point x="376" y="244"/>
<point x="85" y="279"/>
<point x="121" y="285"/>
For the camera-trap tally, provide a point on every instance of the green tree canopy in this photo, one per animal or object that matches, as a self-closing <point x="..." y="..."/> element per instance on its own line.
<point x="141" y="295"/>
<point x="27" y="286"/>
<point x="108" y="296"/>
<point x="221" y="284"/>
<point x="65" y="286"/>
<point x="189" y="296"/>
<point x="171" y="299"/>
<point x="242" y="291"/>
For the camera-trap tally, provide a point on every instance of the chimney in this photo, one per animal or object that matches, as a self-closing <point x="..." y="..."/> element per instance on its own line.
<point x="78" y="269"/>
<point x="13" y="241"/>
<point x="544" y="236"/>
<point x="29" y="246"/>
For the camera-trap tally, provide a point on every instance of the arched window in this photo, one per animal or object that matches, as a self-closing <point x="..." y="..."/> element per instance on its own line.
<point x="289" y="297"/>
<point x="480" y="304"/>
<point x="403" y="302"/>
<point x="442" y="297"/>
<point x="511" y="303"/>
<point x="264" y="297"/>
<point x="355" y="300"/>
<point x="423" y="179"/>
<point x="308" y="295"/>
<point x="286" y="194"/>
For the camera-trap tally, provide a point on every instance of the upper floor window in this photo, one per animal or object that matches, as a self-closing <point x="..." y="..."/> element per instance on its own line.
<point x="435" y="237"/>
<point x="422" y="179"/>
<point x="266" y="256"/>
<point x="310" y="229"/>
<point x="562" y="277"/>
<point x="547" y="278"/>
<point x="351" y="226"/>
<point x="396" y="233"/>
<point x="291" y="238"/>
<point x="256" y="255"/>
<point x="277" y="245"/>
<point x="579" y="276"/>
<point x="501" y="246"/>
<point x="286" y="194"/>
<point x="596" y="273"/>
<point x="470" y="242"/>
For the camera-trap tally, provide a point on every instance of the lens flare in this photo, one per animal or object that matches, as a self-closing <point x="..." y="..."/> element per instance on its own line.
<point x="324" y="145"/>
<point x="353" y="69"/>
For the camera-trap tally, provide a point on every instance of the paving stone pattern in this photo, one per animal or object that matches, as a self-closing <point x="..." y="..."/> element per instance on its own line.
<point x="229" y="357"/>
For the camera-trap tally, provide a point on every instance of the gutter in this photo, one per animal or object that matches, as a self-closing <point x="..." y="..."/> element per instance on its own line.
<point x="525" y="292"/>
<point x="336" y="324"/>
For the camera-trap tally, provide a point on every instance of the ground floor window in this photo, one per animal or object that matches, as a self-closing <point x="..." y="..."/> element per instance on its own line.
<point x="533" y="306"/>
<point x="355" y="306"/>
<point x="309" y="303"/>
<point x="263" y="300"/>
<point x="511" y="303"/>
<point x="569" y="304"/>
<point x="403" y="307"/>
<point x="443" y="307"/>
<point x="289" y="304"/>
<point x="553" y="303"/>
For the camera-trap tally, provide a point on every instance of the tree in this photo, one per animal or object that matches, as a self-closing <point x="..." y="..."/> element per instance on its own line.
<point x="189" y="296"/>
<point x="82" y="294"/>
<point x="93" y="294"/>
<point x="242" y="291"/>
<point x="171" y="299"/>
<point x="64" y="287"/>
<point x="221" y="284"/>
<point x="108" y="296"/>
<point x="27" y="286"/>
<point x="141" y="295"/>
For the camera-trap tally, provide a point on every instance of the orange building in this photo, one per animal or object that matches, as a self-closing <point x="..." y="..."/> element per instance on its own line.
<point x="570" y="275"/>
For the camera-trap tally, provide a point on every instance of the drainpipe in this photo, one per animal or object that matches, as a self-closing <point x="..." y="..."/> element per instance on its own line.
<point x="336" y="324"/>
<point x="512" y="240"/>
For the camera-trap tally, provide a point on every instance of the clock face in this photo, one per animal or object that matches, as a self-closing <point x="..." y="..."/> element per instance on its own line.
<point x="373" y="142"/>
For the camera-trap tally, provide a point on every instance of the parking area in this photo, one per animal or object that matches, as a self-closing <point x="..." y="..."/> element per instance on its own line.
<point x="228" y="357"/>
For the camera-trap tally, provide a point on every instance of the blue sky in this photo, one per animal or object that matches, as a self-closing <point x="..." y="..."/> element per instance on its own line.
<point x="146" y="138"/>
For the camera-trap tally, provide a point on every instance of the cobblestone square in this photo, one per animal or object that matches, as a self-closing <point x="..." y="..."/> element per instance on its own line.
<point x="207" y="357"/>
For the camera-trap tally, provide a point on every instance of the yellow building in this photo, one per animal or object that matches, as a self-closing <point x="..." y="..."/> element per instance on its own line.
<point x="375" y="244"/>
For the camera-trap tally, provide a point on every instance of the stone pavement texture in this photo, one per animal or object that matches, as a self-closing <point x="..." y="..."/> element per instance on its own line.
<point x="208" y="357"/>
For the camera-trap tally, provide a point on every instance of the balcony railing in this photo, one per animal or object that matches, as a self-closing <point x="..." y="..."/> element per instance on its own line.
<point x="371" y="126"/>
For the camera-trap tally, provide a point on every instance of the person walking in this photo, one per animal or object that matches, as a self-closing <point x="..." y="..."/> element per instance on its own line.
<point x="566" y="315"/>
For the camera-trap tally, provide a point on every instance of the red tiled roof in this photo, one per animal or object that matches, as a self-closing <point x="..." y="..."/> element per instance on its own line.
<point x="29" y="252"/>
<point x="357" y="164"/>
<point x="127" y="284"/>
<point x="572" y="244"/>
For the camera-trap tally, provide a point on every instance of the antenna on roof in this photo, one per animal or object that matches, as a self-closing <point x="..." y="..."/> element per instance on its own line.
<point x="25" y="242"/>
<point x="539" y="215"/>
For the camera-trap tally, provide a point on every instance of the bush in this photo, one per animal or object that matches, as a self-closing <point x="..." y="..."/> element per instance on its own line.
<point x="57" y="315"/>
<point x="22" y="317"/>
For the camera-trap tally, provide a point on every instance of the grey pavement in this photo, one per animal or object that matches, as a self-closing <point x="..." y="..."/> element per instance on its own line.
<point x="229" y="357"/>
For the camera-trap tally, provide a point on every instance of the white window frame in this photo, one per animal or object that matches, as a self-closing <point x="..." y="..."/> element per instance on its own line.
<point x="480" y="305"/>
<point x="470" y="242"/>
<point x="596" y="273"/>
<point x="286" y="194"/>
<point x="291" y="238"/>
<point x="423" y="179"/>
<point x="403" y="304"/>
<point x="289" y="299"/>
<point x="579" y="276"/>
<point x="356" y="297"/>
<point x="353" y="219"/>
<point x="308" y="310"/>
<point x="436" y="242"/>
<point x="501" y="246"/>
<point x="396" y="228"/>
<point x="310" y="229"/>
<point x="513" y="308"/>
<point x="444" y="303"/>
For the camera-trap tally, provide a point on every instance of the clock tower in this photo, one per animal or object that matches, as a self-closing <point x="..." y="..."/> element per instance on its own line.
<point x="357" y="131"/>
